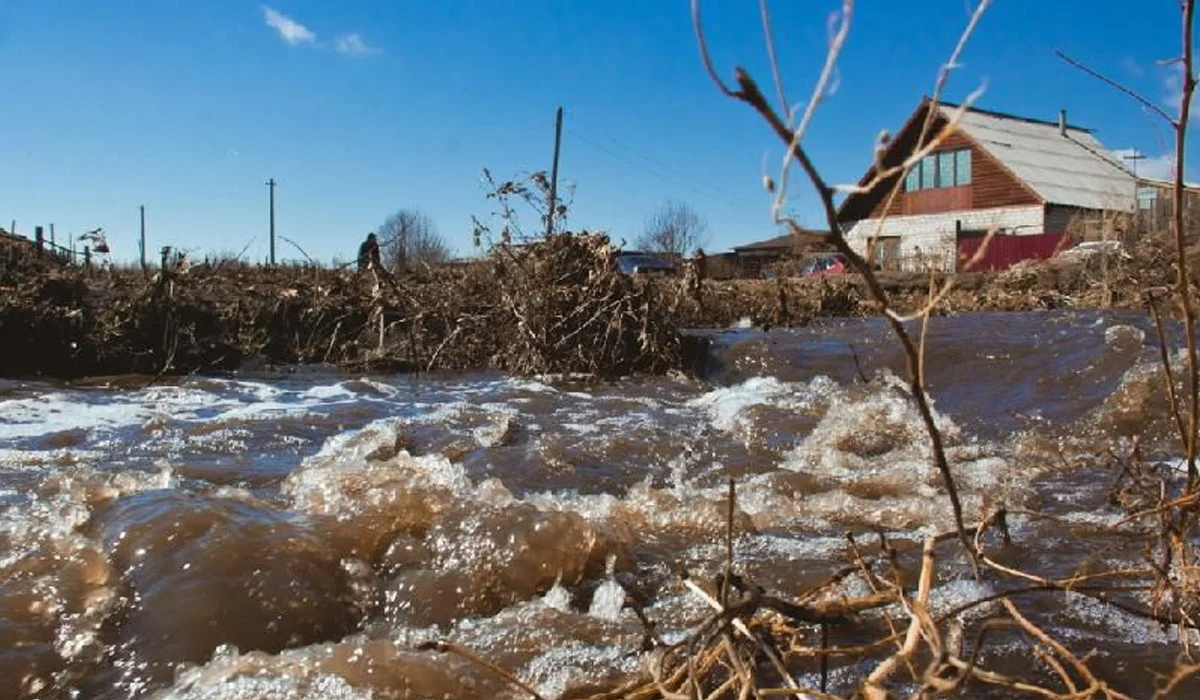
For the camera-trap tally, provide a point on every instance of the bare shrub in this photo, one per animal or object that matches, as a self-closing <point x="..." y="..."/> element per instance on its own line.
<point x="531" y="192"/>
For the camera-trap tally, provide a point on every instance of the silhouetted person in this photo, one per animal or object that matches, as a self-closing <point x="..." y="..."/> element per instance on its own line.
<point x="368" y="254"/>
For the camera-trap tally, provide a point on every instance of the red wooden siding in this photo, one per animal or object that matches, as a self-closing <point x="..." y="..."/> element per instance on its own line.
<point x="1005" y="251"/>
<point x="938" y="200"/>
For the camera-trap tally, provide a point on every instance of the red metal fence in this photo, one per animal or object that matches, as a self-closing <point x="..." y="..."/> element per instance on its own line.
<point x="1004" y="251"/>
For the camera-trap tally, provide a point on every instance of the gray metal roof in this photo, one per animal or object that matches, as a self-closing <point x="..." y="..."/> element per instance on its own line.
<point x="1072" y="169"/>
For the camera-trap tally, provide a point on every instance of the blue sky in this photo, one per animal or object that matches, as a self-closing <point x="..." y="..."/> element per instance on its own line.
<point x="362" y="107"/>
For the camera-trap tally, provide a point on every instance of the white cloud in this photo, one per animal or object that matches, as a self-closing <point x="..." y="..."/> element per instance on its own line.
<point x="352" y="44"/>
<point x="1173" y="95"/>
<point x="1154" y="167"/>
<point x="1158" y="167"/>
<point x="289" y="29"/>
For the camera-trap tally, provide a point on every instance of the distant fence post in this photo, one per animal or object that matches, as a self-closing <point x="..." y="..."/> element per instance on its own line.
<point x="39" y="239"/>
<point x="87" y="258"/>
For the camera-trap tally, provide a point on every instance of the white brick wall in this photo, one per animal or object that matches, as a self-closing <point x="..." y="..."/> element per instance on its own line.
<point x="930" y="237"/>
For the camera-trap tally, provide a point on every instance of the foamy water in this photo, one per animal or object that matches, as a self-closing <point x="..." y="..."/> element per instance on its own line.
<point x="300" y="536"/>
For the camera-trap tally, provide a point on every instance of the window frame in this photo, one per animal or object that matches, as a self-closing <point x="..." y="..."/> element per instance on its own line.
<point x="932" y="165"/>
<point x="929" y="161"/>
<point x="967" y="158"/>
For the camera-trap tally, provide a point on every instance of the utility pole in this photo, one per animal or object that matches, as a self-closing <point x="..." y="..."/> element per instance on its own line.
<point x="271" y="187"/>
<point x="554" y="174"/>
<point x="1135" y="157"/>
<point x="142" y="242"/>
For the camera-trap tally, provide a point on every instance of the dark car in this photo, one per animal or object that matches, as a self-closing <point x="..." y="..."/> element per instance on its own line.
<point x="634" y="263"/>
<point x="825" y="264"/>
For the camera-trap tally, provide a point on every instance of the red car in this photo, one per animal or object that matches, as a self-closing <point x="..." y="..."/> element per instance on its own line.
<point x="825" y="264"/>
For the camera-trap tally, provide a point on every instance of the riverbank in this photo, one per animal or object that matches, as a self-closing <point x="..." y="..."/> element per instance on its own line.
<point x="553" y="308"/>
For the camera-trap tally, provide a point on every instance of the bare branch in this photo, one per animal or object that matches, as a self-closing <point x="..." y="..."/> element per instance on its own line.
<point x="1183" y="282"/>
<point x="836" y="42"/>
<point x="703" y="43"/>
<point x="769" y="37"/>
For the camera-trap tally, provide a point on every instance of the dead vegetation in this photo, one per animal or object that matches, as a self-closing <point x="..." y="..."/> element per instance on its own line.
<point x="556" y="306"/>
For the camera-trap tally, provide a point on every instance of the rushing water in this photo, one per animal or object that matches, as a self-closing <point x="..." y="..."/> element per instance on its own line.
<point x="299" y="535"/>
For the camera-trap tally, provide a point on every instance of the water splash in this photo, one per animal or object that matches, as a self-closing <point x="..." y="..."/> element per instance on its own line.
<point x="609" y="598"/>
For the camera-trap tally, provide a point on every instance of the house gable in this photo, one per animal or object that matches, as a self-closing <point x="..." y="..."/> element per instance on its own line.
<point x="992" y="184"/>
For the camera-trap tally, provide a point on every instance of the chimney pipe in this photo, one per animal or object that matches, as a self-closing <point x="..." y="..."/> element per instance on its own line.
<point x="1062" y="122"/>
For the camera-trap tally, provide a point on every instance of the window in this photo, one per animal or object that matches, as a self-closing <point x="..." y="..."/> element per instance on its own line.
<point x="1147" y="197"/>
<point x="962" y="167"/>
<point x="928" y="172"/>
<point x="945" y="163"/>
<point x="947" y="169"/>
<point x="912" y="181"/>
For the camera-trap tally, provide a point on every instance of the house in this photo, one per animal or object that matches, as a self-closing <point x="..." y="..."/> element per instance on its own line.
<point x="1025" y="179"/>
<point x="1155" y="203"/>
<point x="750" y="259"/>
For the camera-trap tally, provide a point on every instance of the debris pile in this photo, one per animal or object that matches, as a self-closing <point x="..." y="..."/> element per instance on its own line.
<point x="555" y="306"/>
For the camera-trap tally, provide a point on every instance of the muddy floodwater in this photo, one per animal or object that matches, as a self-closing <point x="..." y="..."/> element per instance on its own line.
<point x="300" y="534"/>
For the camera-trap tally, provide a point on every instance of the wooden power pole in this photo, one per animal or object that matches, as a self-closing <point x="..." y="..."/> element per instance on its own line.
<point x="554" y="174"/>
<point x="271" y="187"/>
<point x="142" y="240"/>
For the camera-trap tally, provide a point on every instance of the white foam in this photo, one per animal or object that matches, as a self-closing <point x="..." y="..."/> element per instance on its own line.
<point x="557" y="597"/>
<point x="333" y="480"/>
<point x="607" y="601"/>
<point x="330" y="391"/>
<point x="727" y="406"/>
<point x="1121" y="334"/>
<point x="1112" y="622"/>
<point x="553" y="671"/>
<point x="198" y="401"/>
<point x="209" y="683"/>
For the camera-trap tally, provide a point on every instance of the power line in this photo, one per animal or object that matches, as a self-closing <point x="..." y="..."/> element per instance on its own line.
<point x="655" y="168"/>
<point x="665" y="177"/>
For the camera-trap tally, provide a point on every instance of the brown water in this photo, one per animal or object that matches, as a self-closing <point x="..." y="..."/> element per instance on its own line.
<point x="298" y="535"/>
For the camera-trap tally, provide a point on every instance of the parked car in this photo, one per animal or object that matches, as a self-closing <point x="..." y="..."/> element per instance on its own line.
<point x="825" y="264"/>
<point x="635" y="263"/>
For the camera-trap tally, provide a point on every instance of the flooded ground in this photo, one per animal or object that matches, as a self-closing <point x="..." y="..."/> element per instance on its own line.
<point x="300" y="535"/>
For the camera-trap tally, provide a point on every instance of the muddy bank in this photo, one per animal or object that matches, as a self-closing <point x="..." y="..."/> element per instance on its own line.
<point x="558" y="306"/>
